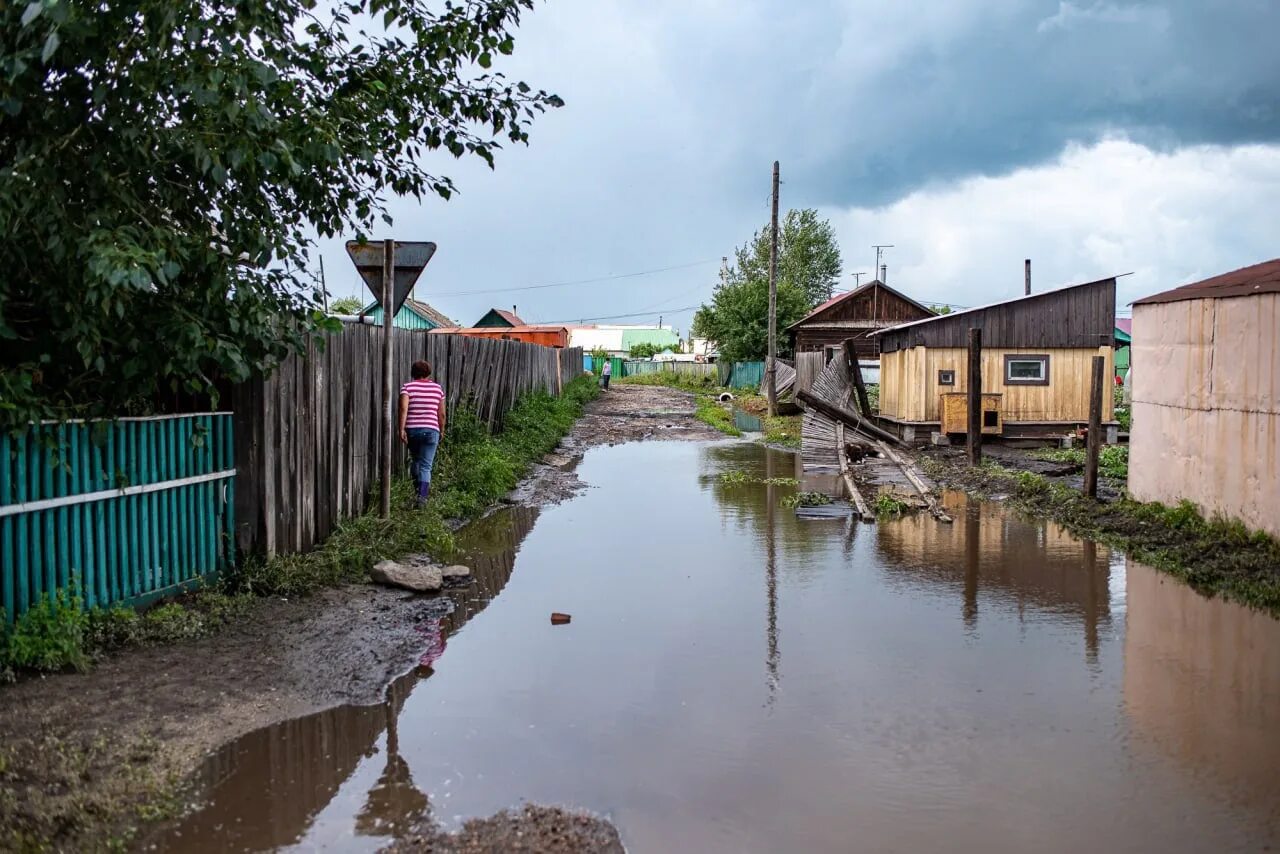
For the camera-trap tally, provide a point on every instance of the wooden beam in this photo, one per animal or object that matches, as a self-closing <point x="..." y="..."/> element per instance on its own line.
<point x="973" y="438"/>
<point x="851" y="419"/>
<point x="864" y="509"/>
<point x="1093" y="443"/>
<point x="926" y="493"/>
<point x="851" y="362"/>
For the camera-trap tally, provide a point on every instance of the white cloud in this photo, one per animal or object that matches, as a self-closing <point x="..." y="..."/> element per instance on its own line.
<point x="1071" y="14"/>
<point x="1110" y="208"/>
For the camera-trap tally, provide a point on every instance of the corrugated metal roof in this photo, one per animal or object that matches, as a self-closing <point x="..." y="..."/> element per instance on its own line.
<point x="1125" y="325"/>
<point x="1261" y="278"/>
<point x="962" y="312"/>
<point x="454" y="330"/>
<point x="412" y="315"/>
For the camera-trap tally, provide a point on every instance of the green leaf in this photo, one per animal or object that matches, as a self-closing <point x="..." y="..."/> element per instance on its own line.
<point x="50" y="45"/>
<point x="485" y="60"/>
<point x="32" y="12"/>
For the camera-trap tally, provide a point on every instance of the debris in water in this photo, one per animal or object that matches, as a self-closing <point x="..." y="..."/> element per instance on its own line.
<point x="558" y="619"/>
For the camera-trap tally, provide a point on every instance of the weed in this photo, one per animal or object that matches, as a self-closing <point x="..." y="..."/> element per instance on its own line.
<point x="737" y="478"/>
<point x="1113" y="460"/>
<point x="711" y="412"/>
<point x="890" y="505"/>
<point x="49" y="636"/>
<point x="805" y="499"/>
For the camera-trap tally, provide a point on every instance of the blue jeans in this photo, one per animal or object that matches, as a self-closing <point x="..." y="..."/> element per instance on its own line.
<point x="423" y="442"/>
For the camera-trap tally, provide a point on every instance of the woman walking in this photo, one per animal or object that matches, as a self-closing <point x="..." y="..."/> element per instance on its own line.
<point x="421" y="424"/>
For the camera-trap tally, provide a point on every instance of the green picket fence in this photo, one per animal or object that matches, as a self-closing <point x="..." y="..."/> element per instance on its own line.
<point x="122" y="511"/>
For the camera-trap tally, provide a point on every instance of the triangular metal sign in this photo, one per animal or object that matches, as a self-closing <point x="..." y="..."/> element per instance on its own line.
<point x="410" y="259"/>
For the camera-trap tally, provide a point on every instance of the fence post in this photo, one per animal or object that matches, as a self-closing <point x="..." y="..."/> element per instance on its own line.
<point x="974" y="437"/>
<point x="1093" y="443"/>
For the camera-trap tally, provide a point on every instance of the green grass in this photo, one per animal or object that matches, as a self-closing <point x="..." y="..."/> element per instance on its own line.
<point x="738" y="478"/>
<point x="1113" y="460"/>
<point x="473" y="469"/>
<point x="805" y="499"/>
<point x="890" y="505"/>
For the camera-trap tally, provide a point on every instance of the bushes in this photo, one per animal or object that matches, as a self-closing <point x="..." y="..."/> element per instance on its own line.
<point x="49" y="636"/>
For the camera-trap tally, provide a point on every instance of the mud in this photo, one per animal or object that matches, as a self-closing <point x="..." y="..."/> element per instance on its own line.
<point x="544" y="830"/>
<point x="87" y="760"/>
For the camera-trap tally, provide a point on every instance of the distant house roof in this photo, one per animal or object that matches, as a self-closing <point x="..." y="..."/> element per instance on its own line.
<point x="1261" y="278"/>
<point x="1124" y="330"/>
<point x="545" y="327"/>
<point x="499" y="317"/>
<point x="853" y="294"/>
<point x="422" y="309"/>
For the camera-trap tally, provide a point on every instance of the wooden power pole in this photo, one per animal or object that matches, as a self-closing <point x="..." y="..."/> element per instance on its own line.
<point x="1093" y="443"/>
<point x="388" y="401"/>
<point x="974" y="437"/>
<point x="770" y="365"/>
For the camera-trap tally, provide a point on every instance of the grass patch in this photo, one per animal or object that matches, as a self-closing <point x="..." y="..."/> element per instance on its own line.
<point x="805" y="499"/>
<point x="889" y="505"/>
<point x="709" y="411"/>
<point x="738" y="478"/>
<point x="1113" y="460"/>
<point x="473" y="469"/>
<point x="1213" y="555"/>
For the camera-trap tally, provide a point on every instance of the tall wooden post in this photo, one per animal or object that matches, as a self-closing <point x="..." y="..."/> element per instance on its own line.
<point x="1093" y="444"/>
<point x="851" y="359"/>
<point x="974" y="435"/>
<point x="771" y="365"/>
<point x="1026" y="273"/>
<point x="388" y="398"/>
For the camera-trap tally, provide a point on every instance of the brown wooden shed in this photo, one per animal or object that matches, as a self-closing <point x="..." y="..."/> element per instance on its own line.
<point x="1037" y="353"/>
<point x="855" y="315"/>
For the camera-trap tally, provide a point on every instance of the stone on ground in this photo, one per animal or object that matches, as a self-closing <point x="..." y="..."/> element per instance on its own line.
<point x="457" y="571"/>
<point x="421" y="579"/>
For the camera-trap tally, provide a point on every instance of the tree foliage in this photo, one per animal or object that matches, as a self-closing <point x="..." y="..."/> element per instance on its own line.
<point x="647" y="350"/>
<point x="165" y="164"/>
<point x="737" y="319"/>
<point x="346" y="305"/>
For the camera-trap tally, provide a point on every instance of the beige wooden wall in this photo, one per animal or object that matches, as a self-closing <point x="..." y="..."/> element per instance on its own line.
<point x="1206" y="407"/>
<point x="909" y="387"/>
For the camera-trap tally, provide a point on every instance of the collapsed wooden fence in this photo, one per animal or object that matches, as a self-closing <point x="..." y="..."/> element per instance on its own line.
<point x="307" y="436"/>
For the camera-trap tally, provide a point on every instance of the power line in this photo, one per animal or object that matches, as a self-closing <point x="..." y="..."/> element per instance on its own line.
<point x="577" y="281"/>
<point x="619" y="316"/>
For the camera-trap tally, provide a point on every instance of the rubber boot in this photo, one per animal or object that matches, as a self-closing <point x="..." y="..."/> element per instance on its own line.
<point x="424" y="492"/>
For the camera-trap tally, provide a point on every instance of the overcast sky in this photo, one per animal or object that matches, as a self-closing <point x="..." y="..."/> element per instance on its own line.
<point x="1096" y="138"/>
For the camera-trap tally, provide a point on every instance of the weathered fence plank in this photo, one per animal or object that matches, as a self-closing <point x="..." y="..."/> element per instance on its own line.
<point x="309" y="433"/>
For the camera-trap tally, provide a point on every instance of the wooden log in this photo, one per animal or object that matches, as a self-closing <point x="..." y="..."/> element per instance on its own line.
<point x="864" y="509"/>
<point x="973" y="438"/>
<point x="1093" y="443"/>
<point x="855" y="370"/>
<point x="851" y="419"/>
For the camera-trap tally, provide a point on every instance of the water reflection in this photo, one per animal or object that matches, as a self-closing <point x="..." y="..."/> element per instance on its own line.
<point x="1202" y="684"/>
<point x="994" y="684"/>
<point x="266" y="789"/>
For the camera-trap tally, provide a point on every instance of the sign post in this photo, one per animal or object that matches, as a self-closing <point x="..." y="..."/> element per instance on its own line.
<point x="389" y="270"/>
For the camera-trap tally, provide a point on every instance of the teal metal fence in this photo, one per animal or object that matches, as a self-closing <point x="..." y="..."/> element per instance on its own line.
<point x="123" y="511"/>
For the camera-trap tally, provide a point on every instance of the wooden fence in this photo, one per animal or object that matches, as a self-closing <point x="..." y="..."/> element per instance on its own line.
<point x="122" y="512"/>
<point x="308" y="436"/>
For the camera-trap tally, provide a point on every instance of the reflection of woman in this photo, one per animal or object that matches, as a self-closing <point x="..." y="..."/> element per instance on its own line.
<point x="422" y="419"/>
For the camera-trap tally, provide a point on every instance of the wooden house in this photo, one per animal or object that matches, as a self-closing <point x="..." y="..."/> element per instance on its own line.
<point x="1036" y="364"/>
<point x="548" y="336"/>
<point x="855" y="315"/>
<point x="498" y="317"/>
<point x="412" y="315"/>
<point x="1206" y="396"/>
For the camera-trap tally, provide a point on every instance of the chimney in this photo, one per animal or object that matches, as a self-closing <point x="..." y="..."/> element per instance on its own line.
<point x="884" y="274"/>
<point x="513" y="311"/>
<point x="1026" y="267"/>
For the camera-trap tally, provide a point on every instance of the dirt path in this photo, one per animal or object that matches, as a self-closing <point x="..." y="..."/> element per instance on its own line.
<point x="88" y="759"/>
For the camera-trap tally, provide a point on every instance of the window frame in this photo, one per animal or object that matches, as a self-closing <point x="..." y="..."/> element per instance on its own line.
<point x="1010" y="358"/>
<point x="950" y="382"/>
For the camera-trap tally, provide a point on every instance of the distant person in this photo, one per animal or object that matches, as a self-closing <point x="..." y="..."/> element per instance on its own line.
<point x="421" y="424"/>
<point x="605" y="373"/>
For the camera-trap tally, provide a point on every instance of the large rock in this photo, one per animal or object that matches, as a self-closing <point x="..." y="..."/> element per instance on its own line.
<point x="422" y="579"/>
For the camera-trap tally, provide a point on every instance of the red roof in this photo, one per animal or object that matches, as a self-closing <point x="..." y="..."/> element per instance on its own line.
<point x="1261" y="278"/>
<point x="1125" y="325"/>
<point x="509" y="317"/>
<point x="853" y="293"/>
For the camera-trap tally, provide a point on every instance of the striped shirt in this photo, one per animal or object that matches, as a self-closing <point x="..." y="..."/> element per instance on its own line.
<point x="425" y="399"/>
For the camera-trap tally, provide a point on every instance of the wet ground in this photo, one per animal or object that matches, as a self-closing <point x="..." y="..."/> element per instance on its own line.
<point x="737" y="679"/>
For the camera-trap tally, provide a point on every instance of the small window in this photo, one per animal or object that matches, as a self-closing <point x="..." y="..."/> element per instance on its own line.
<point x="829" y="353"/>
<point x="1026" y="370"/>
<point x="946" y="377"/>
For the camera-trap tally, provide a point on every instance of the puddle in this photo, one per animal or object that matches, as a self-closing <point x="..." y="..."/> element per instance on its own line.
<point x="746" y="422"/>
<point x="735" y="679"/>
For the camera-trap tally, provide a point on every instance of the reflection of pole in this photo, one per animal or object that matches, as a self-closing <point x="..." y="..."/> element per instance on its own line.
<point x="1091" y="602"/>
<point x="972" y="557"/>
<point x="771" y="580"/>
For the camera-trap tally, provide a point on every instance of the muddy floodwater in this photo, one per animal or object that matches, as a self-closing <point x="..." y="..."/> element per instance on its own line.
<point x="736" y="679"/>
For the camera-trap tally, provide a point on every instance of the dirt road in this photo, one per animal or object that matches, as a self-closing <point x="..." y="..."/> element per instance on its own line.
<point x="87" y="759"/>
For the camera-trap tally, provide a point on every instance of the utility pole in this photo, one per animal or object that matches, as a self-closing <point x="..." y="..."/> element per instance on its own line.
<point x="388" y="418"/>
<point x="324" y="286"/>
<point x="771" y="366"/>
<point x="1026" y="269"/>
<point x="857" y="279"/>
<point x="879" y="247"/>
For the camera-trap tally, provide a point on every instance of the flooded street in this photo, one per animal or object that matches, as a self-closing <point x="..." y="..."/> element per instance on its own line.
<point x="737" y="679"/>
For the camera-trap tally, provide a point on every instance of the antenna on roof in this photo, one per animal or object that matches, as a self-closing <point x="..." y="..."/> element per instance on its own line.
<point x="879" y="247"/>
<point x="857" y="279"/>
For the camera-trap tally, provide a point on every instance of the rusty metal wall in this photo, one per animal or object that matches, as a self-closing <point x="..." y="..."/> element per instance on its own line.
<point x="1206" y="406"/>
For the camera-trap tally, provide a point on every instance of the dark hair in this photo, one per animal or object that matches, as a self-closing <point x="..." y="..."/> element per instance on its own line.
<point x="421" y="369"/>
